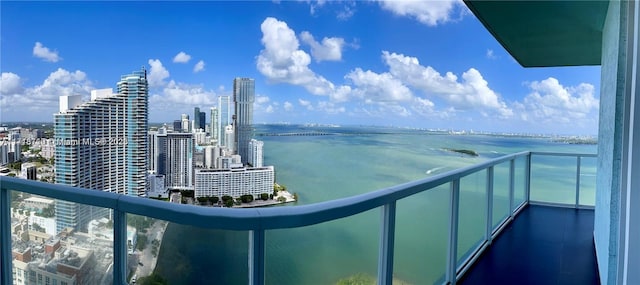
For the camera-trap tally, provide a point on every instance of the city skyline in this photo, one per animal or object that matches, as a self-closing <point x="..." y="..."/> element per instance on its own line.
<point x="427" y="65"/>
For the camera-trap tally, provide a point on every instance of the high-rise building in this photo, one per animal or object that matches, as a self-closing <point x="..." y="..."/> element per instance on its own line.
<point x="214" y="129"/>
<point x="102" y="145"/>
<point x="243" y="97"/>
<point x="199" y="119"/>
<point x="224" y="118"/>
<point x="229" y="134"/>
<point x="196" y="118"/>
<point x="174" y="159"/>
<point x="202" y="124"/>
<point x="255" y="158"/>
<point x="186" y="124"/>
<point x="177" y="126"/>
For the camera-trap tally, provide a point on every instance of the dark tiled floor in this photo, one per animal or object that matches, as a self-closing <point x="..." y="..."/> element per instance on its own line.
<point x="543" y="245"/>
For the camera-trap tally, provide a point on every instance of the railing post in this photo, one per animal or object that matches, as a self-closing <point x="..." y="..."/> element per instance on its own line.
<point x="387" y="237"/>
<point x="527" y="178"/>
<point x="6" y="259"/>
<point x="512" y="167"/>
<point x="256" y="257"/>
<point x="452" y="253"/>
<point x="578" y="159"/>
<point x="119" y="247"/>
<point x="489" y="228"/>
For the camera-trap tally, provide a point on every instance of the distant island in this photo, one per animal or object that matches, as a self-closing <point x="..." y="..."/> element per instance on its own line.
<point x="576" y="140"/>
<point x="462" y="151"/>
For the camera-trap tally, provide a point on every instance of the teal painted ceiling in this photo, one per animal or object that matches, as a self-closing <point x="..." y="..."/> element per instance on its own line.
<point x="546" y="33"/>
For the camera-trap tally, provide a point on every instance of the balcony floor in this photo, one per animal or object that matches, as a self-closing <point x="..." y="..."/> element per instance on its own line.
<point x="543" y="245"/>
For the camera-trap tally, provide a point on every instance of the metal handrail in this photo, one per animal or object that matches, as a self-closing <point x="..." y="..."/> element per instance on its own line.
<point x="258" y="220"/>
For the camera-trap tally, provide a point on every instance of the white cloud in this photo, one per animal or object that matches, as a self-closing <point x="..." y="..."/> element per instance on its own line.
<point x="306" y="104"/>
<point x="261" y="100"/>
<point x="430" y="13"/>
<point x="288" y="106"/>
<point x="281" y="60"/>
<point x="490" y="54"/>
<point x="43" y="52"/>
<point x="263" y="104"/>
<point x="374" y="87"/>
<point x="472" y="92"/>
<point x="10" y="83"/>
<point x="157" y="73"/>
<point x="330" y="108"/>
<point x="347" y="12"/>
<point x="181" y="94"/>
<point x="42" y="98"/>
<point x="551" y="102"/>
<point x="198" y="67"/>
<point x="181" y="57"/>
<point x="313" y="5"/>
<point x="330" y="49"/>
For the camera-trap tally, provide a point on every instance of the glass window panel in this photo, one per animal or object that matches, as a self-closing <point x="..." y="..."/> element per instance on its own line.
<point x="519" y="183"/>
<point x="344" y="250"/>
<point x="588" y="169"/>
<point x="472" y="215"/>
<point x="193" y="255"/>
<point x="422" y="233"/>
<point x="55" y="241"/>
<point x="553" y="179"/>
<point x="500" y="193"/>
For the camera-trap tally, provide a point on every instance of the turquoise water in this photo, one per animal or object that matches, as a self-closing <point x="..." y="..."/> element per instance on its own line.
<point x="355" y="161"/>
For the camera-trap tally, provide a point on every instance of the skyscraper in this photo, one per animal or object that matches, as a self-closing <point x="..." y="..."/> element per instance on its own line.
<point x="199" y="119"/>
<point x="202" y="124"/>
<point x="224" y="118"/>
<point x="196" y="118"/>
<point x="214" y="128"/>
<point x="175" y="159"/>
<point x="102" y="145"/>
<point x="243" y="97"/>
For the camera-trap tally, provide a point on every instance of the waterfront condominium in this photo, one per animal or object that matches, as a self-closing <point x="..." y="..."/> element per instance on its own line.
<point x="234" y="182"/>
<point x="102" y="145"/>
<point x="243" y="98"/>
<point x="224" y="118"/>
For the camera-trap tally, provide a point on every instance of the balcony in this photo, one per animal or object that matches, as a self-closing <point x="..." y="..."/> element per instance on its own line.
<point x="488" y="223"/>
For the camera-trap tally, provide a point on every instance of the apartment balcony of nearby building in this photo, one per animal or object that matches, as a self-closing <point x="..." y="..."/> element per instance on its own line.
<point x="524" y="218"/>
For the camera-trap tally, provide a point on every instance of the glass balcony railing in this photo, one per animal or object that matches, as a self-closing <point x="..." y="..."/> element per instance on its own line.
<point x="452" y="216"/>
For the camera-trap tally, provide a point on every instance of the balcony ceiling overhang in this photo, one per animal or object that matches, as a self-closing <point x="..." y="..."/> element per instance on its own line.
<point x="546" y="33"/>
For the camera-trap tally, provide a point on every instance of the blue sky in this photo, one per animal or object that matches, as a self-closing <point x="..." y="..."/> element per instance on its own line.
<point x="428" y="64"/>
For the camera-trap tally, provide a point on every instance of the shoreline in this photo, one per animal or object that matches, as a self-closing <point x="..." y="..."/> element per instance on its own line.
<point x="261" y="203"/>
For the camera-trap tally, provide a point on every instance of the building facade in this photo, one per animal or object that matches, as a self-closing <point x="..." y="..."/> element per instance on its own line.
<point x="102" y="145"/>
<point x="243" y="98"/>
<point x="175" y="159"/>
<point x="255" y="158"/>
<point x="214" y="128"/>
<point x="234" y="182"/>
<point x="224" y="118"/>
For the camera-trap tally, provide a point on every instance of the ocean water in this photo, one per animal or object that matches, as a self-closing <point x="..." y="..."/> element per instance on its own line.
<point x="356" y="160"/>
